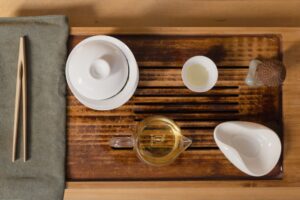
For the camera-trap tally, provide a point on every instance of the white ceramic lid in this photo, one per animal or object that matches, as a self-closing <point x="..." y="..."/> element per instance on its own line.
<point x="97" y="69"/>
<point x="124" y="94"/>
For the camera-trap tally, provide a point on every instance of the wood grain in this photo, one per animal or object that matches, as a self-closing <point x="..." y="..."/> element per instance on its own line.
<point x="180" y="192"/>
<point x="160" y="58"/>
<point x="208" y="13"/>
<point x="259" y="189"/>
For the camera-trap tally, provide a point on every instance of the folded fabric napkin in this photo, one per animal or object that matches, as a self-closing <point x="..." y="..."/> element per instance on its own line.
<point x="42" y="177"/>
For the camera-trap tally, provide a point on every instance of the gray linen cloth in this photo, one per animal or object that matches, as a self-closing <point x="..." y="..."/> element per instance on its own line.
<point x="42" y="177"/>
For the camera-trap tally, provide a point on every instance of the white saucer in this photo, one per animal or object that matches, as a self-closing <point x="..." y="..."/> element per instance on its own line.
<point x="123" y="94"/>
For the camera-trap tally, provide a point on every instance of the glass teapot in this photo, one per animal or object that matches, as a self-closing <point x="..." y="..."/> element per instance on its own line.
<point x="157" y="141"/>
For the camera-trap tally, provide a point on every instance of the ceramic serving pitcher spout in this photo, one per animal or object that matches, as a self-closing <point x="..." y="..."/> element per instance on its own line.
<point x="158" y="141"/>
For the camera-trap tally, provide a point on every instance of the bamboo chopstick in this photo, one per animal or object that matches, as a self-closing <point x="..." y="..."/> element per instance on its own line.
<point x="20" y="87"/>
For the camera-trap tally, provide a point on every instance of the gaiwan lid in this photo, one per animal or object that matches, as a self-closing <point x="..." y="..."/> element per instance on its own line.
<point x="98" y="69"/>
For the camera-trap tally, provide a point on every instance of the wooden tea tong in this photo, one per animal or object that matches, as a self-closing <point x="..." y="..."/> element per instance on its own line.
<point x="20" y="87"/>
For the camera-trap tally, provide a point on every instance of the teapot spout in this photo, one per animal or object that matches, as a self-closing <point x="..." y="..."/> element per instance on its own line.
<point x="186" y="142"/>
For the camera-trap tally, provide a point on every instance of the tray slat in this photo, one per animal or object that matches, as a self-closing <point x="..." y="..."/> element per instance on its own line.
<point x="162" y="92"/>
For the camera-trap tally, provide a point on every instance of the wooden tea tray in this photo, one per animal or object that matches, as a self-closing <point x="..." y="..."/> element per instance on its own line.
<point x="161" y="92"/>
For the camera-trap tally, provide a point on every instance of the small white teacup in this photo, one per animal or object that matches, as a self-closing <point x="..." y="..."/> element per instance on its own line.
<point x="199" y="74"/>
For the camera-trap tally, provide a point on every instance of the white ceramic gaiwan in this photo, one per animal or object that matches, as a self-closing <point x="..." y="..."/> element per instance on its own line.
<point x="102" y="72"/>
<point x="251" y="147"/>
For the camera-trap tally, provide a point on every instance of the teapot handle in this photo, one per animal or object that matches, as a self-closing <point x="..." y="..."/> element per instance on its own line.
<point x="121" y="142"/>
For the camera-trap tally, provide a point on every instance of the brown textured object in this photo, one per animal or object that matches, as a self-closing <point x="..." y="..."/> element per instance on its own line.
<point x="161" y="92"/>
<point x="271" y="72"/>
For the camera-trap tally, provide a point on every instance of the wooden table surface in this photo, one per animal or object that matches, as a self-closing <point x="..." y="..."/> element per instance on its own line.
<point x="162" y="12"/>
<point x="288" y="187"/>
<point x="253" y="13"/>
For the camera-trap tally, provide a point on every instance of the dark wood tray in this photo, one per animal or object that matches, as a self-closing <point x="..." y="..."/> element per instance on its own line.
<point x="161" y="91"/>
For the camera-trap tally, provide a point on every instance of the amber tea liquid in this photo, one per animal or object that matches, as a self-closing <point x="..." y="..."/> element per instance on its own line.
<point x="158" y="140"/>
